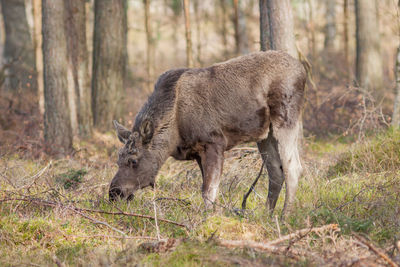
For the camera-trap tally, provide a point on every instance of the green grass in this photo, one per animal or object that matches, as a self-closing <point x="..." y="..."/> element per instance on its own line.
<point x="353" y="185"/>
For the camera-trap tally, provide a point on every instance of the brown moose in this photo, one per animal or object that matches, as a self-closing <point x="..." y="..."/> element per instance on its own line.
<point x="197" y="114"/>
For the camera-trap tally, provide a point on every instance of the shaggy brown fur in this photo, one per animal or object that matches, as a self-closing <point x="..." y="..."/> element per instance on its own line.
<point x="200" y="113"/>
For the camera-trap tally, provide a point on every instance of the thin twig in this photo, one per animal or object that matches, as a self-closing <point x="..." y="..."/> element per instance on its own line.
<point x="277" y="226"/>
<point x="97" y="221"/>
<point x="36" y="176"/>
<point x="376" y="250"/>
<point x="54" y="204"/>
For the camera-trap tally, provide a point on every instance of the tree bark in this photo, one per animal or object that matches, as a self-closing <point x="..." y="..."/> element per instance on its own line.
<point x="223" y="29"/>
<point x="280" y="24"/>
<point x="239" y="22"/>
<point x="19" y="52"/>
<point x="330" y="27"/>
<point x="346" y="38"/>
<point x="189" y="54"/>
<point x="37" y="16"/>
<point x="109" y="61"/>
<point x="369" y="69"/>
<point x="396" y="110"/>
<point x="149" y="48"/>
<point x="75" y="24"/>
<point x="264" y="26"/>
<point x="57" y="124"/>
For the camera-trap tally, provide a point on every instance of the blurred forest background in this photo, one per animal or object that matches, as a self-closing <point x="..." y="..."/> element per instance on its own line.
<point x="95" y="61"/>
<point x="70" y="67"/>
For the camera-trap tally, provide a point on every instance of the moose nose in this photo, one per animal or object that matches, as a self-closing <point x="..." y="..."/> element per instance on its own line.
<point x="115" y="194"/>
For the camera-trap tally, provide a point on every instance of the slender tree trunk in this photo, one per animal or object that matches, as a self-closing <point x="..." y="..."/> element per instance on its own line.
<point x="37" y="16"/>
<point x="19" y="52"/>
<point x="346" y="37"/>
<point x="57" y="124"/>
<point x="244" y="40"/>
<point x="330" y="27"/>
<point x="236" y="25"/>
<point x="264" y="26"/>
<point x="189" y="55"/>
<point x="239" y="22"/>
<point x="109" y="61"/>
<point x="224" y="30"/>
<point x="396" y="110"/>
<point x="312" y="39"/>
<point x="150" y="47"/>
<point x="369" y="69"/>
<point x="75" y="24"/>
<point x="281" y="29"/>
<point x="197" y="11"/>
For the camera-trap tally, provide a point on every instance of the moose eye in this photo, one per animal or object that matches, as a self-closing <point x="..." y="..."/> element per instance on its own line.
<point x="133" y="163"/>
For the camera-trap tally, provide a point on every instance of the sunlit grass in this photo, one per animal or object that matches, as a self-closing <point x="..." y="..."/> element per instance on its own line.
<point x="352" y="185"/>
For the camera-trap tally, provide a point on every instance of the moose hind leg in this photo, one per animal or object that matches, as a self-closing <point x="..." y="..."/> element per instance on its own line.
<point x="211" y="163"/>
<point x="268" y="149"/>
<point x="287" y="138"/>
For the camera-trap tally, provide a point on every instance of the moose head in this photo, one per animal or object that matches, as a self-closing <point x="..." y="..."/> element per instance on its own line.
<point x="137" y="165"/>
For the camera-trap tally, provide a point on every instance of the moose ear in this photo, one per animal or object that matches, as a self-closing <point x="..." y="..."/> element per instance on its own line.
<point x="122" y="133"/>
<point x="146" y="131"/>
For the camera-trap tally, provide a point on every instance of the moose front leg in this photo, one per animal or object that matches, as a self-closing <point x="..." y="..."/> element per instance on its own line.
<point x="211" y="162"/>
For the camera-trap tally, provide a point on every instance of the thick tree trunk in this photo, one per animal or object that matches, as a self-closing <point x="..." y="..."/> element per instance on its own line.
<point x="281" y="29"/>
<point x="37" y="16"/>
<point x="75" y="25"/>
<point x="189" y="54"/>
<point x="109" y="61"/>
<point x="19" y="53"/>
<point x="57" y="124"/>
<point x="330" y="27"/>
<point x="149" y="48"/>
<point x="369" y="69"/>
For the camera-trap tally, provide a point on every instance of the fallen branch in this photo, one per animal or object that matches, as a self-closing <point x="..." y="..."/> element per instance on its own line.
<point x="377" y="251"/>
<point x="303" y="232"/>
<point x="55" y="204"/>
<point x="272" y="246"/>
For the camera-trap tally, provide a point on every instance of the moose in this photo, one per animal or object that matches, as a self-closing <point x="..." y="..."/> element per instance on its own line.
<point x="198" y="113"/>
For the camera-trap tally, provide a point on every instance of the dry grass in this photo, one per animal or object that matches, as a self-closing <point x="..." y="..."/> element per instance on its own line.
<point x="357" y="199"/>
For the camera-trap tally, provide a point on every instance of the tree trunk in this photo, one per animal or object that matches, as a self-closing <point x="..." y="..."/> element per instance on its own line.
<point x="19" y="53"/>
<point x="396" y="110"/>
<point x="189" y="55"/>
<point x="57" y="124"/>
<point x="109" y="61"/>
<point x="369" y="69"/>
<point x="223" y="29"/>
<point x="239" y="22"/>
<point x="346" y="38"/>
<point x="37" y="16"/>
<point x="281" y="29"/>
<point x="264" y="26"/>
<point x="149" y="48"/>
<point x="330" y="27"/>
<point x="197" y="11"/>
<point x="75" y="25"/>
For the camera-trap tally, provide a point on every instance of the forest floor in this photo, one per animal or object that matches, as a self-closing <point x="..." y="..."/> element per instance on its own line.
<point x="56" y="211"/>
